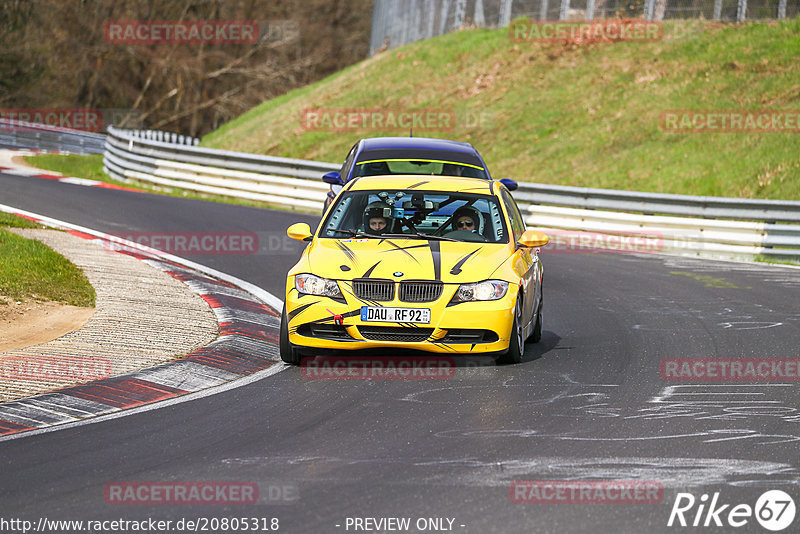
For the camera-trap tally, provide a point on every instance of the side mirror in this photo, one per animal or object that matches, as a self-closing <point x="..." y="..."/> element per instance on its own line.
<point x="333" y="178"/>
<point x="533" y="239"/>
<point x="510" y="184"/>
<point x="299" y="232"/>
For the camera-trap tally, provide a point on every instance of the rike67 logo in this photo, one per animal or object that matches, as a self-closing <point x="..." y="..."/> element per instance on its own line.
<point x="774" y="510"/>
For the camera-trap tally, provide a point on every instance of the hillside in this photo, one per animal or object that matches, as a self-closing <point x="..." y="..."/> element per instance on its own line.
<point x="574" y="114"/>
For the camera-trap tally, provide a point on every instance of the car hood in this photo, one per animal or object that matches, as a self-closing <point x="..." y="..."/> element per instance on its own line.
<point x="420" y="259"/>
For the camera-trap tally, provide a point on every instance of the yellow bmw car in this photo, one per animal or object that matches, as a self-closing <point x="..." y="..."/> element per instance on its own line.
<point x="434" y="263"/>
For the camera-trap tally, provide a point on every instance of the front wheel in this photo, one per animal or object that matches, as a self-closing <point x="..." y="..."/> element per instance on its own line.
<point x="288" y="352"/>
<point x="516" y="345"/>
<point x="536" y="335"/>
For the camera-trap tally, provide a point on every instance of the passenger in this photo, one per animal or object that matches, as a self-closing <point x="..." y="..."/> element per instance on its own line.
<point x="466" y="218"/>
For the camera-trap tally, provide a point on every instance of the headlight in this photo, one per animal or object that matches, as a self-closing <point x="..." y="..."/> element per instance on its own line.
<point x="314" y="285"/>
<point x="486" y="290"/>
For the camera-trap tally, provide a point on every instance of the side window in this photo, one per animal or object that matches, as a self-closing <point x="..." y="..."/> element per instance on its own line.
<point x="348" y="163"/>
<point x="517" y="222"/>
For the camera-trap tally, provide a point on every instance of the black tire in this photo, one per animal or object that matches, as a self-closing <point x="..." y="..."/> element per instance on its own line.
<point x="516" y="345"/>
<point x="289" y="352"/>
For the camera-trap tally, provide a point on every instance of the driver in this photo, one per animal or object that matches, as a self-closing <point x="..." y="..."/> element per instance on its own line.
<point x="377" y="224"/>
<point x="466" y="218"/>
<point x="377" y="218"/>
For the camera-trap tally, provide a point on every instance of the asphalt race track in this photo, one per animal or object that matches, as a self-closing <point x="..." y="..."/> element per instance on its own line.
<point x="587" y="403"/>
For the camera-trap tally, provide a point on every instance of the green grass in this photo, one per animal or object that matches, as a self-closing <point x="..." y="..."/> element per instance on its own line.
<point x="584" y="115"/>
<point x="15" y="221"/>
<point x="89" y="166"/>
<point x="770" y="259"/>
<point x="31" y="270"/>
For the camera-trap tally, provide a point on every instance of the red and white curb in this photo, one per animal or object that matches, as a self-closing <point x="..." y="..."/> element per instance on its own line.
<point x="8" y="166"/>
<point x="249" y="320"/>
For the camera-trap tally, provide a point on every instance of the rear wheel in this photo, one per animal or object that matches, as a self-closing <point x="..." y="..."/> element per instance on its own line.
<point x="516" y="345"/>
<point x="289" y="352"/>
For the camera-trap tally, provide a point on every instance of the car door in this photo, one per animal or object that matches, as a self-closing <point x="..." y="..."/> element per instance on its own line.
<point x="528" y="260"/>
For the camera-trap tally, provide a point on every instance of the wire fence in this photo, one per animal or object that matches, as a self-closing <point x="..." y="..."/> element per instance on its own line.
<point x="399" y="22"/>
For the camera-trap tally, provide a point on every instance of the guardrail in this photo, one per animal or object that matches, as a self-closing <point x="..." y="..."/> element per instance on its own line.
<point x="688" y="225"/>
<point x="44" y="137"/>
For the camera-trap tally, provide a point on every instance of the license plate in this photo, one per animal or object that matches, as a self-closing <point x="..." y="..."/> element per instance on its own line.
<point x="395" y="315"/>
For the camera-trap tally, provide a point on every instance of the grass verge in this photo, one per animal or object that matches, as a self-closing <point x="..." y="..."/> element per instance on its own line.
<point x="31" y="270"/>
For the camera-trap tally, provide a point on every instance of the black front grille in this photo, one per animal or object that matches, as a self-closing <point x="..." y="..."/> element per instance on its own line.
<point x="378" y="290"/>
<point x="469" y="335"/>
<point x="420" y="291"/>
<point x="395" y="333"/>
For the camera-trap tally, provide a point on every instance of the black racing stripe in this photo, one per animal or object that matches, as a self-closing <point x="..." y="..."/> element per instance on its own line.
<point x="404" y="250"/>
<point x="418" y="184"/>
<point x="349" y="253"/>
<point x="436" y="256"/>
<point x="457" y="267"/>
<point x="369" y="271"/>
<point x="299" y="309"/>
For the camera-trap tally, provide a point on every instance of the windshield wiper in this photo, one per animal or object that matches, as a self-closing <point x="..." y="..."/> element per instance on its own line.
<point x="356" y="233"/>
<point x="421" y="235"/>
<point x="436" y="237"/>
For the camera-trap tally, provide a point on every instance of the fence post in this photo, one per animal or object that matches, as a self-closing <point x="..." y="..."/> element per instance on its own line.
<point x="649" y="9"/>
<point x="478" y="18"/>
<point x="717" y="9"/>
<point x="562" y="15"/>
<point x="741" y="11"/>
<point x="505" y="13"/>
<point x="590" y="9"/>
<point x="782" y="9"/>
<point x="443" y="16"/>
<point x="543" y="10"/>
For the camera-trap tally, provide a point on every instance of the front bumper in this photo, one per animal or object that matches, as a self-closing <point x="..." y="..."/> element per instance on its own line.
<point x="477" y="327"/>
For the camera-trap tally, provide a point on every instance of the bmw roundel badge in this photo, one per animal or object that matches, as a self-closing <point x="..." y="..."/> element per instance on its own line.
<point x="398" y="274"/>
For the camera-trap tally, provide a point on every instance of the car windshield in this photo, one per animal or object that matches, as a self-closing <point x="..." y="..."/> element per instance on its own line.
<point x="380" y="167"/>
<point x="414" y="214"/>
